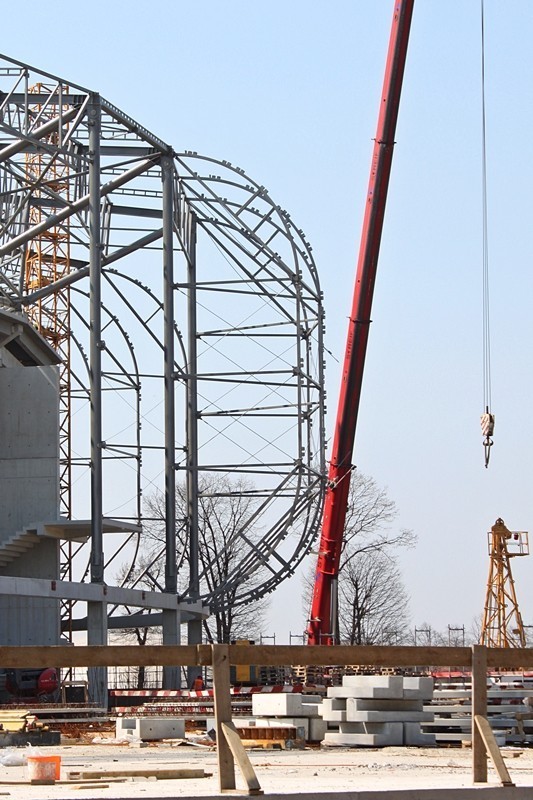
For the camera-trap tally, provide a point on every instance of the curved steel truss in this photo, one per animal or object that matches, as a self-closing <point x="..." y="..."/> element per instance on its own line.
<point x="187" y="310"/>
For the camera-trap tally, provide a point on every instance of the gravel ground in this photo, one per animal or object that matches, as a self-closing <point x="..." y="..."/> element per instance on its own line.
<point x="288" y="772"/>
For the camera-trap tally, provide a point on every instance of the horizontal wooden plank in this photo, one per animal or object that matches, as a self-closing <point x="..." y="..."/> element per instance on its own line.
<point x="99" y="656"/>
<point x="375" y="655"/>
<point x="264" y="655"/>
<point x="161" y="773"/>
<point x="510" y="658"/>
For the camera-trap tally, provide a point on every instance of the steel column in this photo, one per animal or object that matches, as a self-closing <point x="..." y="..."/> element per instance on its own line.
<point x="170" y="411"/>
<point x="96" y="612"/>
<point x="171" y="630"/>
<point x="95" y="377"/>
<point x="194" y="627"/>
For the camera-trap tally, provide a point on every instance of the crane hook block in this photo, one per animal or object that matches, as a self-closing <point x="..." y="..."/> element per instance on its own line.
<point x="487" y="429"/>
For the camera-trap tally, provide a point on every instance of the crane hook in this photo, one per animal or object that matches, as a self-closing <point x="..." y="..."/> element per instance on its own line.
<point x="487" y="429"/>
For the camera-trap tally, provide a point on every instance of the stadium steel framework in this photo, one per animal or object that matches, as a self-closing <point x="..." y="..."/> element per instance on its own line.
<point x="187" y="311"/>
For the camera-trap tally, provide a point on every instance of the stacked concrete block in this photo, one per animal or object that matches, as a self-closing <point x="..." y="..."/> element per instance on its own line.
<point x="150" y="729"/>
<point x="378" y="711"/>
<point x="302" y="711"/>
<point x="285" y="704"/>
<point x="418" y="688"/>
<point x="333" y="709"/>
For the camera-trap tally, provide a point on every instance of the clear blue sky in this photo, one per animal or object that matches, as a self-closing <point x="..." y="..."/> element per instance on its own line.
<point x="289" y="91"/>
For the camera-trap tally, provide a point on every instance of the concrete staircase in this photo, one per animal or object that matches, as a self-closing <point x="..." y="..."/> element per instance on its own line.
<point x="65" y="529"/>
<point x="17" y="545"/>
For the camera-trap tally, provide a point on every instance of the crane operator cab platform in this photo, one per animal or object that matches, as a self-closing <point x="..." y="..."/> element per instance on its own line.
<point x="516" y="542"/>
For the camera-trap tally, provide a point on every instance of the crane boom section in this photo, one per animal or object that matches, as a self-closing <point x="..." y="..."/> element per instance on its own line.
<point x="336" y="498"/>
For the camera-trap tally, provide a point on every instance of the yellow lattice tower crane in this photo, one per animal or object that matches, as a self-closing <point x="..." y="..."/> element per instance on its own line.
<point x="502" y="622"/>
<point x="48" y="260"/>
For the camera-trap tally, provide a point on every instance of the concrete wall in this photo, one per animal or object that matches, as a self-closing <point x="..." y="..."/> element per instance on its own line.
<point x="29" y="493"/>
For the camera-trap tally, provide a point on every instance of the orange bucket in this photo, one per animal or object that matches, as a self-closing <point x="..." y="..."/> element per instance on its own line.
<point x="44" y="768"/>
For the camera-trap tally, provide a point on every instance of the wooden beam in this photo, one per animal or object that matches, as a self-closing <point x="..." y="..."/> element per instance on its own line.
<point x="510" y="657"/>
<point x="96" y="656"/>
<point x="323" y="655"/>
<point x="160" y="773"/>
<point x="222" y="702"/>
<point x="266" y="655"/>
<point x="241" y="757"/>
<point x="492" y="749"/>
<point x="479" y="709"/>
<point x="205" y="655"/>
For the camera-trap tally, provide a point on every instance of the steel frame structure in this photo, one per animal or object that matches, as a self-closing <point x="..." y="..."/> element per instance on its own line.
<point x="195" y="326"/>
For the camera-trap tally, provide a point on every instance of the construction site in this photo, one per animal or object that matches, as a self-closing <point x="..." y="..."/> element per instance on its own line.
<point x="162" y="364"/>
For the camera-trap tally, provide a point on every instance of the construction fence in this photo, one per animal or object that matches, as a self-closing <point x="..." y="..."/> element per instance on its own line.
<point x="478" y="660"/>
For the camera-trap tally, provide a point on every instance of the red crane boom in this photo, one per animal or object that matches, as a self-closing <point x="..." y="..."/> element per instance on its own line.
<point x="323" y="607"/>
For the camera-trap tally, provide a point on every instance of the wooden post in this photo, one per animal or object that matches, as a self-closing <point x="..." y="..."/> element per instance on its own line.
<point x="479" y="708"/>
<point x="221" y="685"/>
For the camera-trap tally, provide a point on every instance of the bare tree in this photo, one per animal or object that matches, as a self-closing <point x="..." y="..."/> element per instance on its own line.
<point x="372" y="600"/>
<point x="225" y="508"/>
<point x="474" y="631"/>
<point x="370" y="514"/>
<point x="373" y="603"/>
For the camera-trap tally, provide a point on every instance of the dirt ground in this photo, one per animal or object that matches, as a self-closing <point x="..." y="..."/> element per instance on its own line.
<point x="288" y="771"/>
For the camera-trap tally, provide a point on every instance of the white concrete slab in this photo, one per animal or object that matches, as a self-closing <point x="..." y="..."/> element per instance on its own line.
<point x="317" y="729"/>
<point x="311" y="698"/>
<point x="373" y="704"/>
<point x="336" y="692"/>
<point x="311" y="709"/>
<point x="334" y="703"/>
<point x="367" y="727"/>
<point x="418" y="687"/>
<point x="333" y="710"/>
<point x="283" y="704"/>
<point x="393" y="737"/>
<point x="388" y="716"/>
<point x="413" y="736"/>
<point x="392" y="682"/>
<point x="150" y="728"/>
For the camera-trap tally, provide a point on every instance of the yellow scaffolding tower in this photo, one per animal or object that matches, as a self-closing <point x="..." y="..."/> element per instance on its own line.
<point x="502" y="622"/>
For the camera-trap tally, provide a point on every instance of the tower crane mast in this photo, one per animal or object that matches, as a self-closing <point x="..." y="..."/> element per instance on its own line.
<point x="323" y="608"/>
<point x="502" y="624"/>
